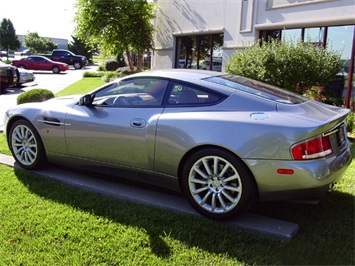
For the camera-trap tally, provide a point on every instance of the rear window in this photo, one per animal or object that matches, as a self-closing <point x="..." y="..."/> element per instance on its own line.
<point x="257" y="88"/>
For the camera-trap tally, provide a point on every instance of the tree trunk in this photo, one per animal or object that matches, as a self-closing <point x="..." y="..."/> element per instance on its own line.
<point x="129" y="59"/>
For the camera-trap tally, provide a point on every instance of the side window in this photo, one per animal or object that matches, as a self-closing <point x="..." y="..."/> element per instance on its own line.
<point x="133" y="92"/>
<point x="182" y="94"/>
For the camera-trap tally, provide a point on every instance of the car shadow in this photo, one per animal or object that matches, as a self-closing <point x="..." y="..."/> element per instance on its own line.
<point x="319" y="225"/>
<point x="49" y="73"/>
<point x="14" y="90"/>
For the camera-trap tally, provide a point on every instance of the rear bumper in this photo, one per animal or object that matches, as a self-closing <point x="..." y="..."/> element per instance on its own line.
<point x="310" y="181"/>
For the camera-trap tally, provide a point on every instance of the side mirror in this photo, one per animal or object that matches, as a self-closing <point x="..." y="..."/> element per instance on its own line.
<point x="86" y="100"/>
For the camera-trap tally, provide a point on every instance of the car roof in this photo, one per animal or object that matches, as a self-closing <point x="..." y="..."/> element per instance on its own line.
<point x="176" y="73"/>
<point x="193" y="76"/>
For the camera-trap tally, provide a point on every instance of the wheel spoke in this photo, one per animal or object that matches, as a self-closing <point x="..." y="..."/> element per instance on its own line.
<point x="232" y="177"/>
<point x="235" y="189"/>
<point x="213" y="202"/>
<point x="229" y="197"/>
<point x="204" y="199"/>
<point x="197" y="170"/>
<point x="207" y="167"/>
<point x="222" y="203"/>
<point x="197" y="191"/>
<point x="199" y="181"/>
<point x="215" y="165"/>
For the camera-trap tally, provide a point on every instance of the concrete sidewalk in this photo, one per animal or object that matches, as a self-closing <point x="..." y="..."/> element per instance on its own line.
<point x="249" y="221"/>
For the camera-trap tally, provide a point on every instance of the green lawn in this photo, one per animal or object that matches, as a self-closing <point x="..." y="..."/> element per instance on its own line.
<point x="81" y="87"/>
<point x="44" y="222"/>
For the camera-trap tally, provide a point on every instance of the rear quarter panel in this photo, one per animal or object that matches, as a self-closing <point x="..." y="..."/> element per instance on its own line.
<point x="183" y="129"/>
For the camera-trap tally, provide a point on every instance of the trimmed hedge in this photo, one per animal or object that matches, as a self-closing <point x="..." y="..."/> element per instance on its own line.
<point x="35" y="95"/>
<point x="89" y="74"/>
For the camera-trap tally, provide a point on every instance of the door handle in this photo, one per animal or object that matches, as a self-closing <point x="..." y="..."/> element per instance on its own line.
<point x="137" y="122"/>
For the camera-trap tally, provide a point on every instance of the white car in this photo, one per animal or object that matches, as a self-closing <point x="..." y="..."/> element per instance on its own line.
<point x="25" y="76"/>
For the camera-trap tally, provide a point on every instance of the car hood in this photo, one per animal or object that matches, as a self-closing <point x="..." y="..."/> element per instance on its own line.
<point x="51" y="104"/>
<point x="64" y="100"/>
<point x="6" y="66"/>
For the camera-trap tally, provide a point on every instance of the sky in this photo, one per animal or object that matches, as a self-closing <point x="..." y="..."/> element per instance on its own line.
<point x="49" y="18"/>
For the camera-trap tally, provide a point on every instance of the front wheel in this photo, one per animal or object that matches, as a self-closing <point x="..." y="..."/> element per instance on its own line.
<point x="26" y="145"/>
<point x="56" y="70"/>
<point x="217" y="184"/>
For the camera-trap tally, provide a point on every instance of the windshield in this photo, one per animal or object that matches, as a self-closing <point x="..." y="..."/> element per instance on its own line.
<point x="257" y="88"/>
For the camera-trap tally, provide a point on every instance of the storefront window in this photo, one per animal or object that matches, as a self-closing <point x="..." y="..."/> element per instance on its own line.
<point x="314" y="36"/>
<point x="291" y="36"/>
<point x="340" y="39"/>
<point x="268" y="35"/>
<point x="200" y="52"/>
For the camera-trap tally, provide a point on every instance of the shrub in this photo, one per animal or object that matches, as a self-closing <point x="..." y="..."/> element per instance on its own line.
<point x="350" y="123"/>
<point x="295" y="66"/>
<point x="35" y="95"/>
<point x="101" y="68"/>
<point x="111" y="65"/>
<point x="89" y="74"/>
<point x="124" y="71"/>
<point x="109" y="76"/>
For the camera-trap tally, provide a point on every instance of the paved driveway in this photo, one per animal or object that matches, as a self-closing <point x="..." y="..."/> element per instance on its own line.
<point x="44" y="80"/>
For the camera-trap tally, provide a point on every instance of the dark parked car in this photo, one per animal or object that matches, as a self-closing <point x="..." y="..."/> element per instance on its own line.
<point x="8" y="76"/>
<point x="26" y="52"/>
<point x="226" y="141"/>
<point x="67" y="57"/>
<point x="37" y="62"/>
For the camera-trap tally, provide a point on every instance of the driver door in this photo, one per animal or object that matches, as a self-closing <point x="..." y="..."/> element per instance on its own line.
<point x="119" y="127"/>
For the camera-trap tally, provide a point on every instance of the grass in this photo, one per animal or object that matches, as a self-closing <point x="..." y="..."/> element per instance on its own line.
<point x="45" y="222"/>
<point x="81" y="87"/>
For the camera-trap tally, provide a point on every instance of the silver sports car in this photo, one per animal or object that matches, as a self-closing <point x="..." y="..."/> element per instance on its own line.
<point x="225" y="141"/>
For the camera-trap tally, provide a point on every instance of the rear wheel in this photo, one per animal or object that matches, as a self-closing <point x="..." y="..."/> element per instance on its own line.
<point x="26" y="145"/>
<point x="217" y="184"/>
<point x="77" y="65"/>
<point x="55" y="70"/>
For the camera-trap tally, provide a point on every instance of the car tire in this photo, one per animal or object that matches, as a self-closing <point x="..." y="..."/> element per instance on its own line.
<point x="77" y="65"/>
<point x="217" y="184"/>
<point x="56" y="70"/>
<point x="26" y="145"/>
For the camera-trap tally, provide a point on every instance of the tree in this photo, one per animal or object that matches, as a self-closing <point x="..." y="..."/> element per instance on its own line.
<point x="77" y="46"/>
<point x="8" y="38"/>
<point x="290" y="65"/>
<point x="117" y="26"/>
<point x="39" y="44"/>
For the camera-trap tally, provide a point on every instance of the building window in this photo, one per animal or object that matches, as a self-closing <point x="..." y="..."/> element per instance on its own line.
<point x="291" y="35"/>
<point x="338" y="38"/>
<point x="314" y="36"/>
<point x="199" y="52"/>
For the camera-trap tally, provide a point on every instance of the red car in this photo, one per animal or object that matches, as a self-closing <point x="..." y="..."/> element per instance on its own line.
<point x="37" y="62"/>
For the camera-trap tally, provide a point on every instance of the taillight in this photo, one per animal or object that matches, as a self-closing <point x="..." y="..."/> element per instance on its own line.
<point x="312" y="149"/>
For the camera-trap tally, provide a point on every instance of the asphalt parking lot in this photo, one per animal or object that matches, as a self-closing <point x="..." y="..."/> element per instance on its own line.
<point x="57" y="82"/>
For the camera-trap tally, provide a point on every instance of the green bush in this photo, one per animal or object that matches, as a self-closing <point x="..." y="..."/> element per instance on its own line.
<point x="112" y="65"/>
<point x="295" y="66"/>
<point x="89" y="74"/>
<point x="35" y="95"/>
<point x="350" y="123"/>
<point x="109" y="76"/>
<point x="101" y="68"/>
